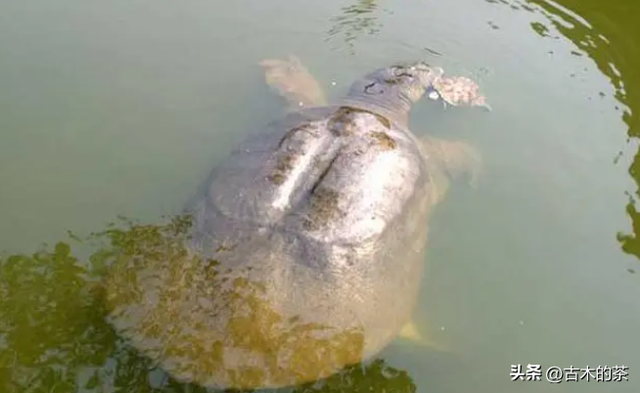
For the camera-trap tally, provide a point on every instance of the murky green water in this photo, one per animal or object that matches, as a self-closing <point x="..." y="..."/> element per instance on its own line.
<point x="122" y="109"/>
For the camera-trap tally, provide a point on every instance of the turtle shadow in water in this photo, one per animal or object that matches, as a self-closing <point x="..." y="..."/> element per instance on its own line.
<point x="191" y="342"/>
<point x="374" y="376"/>
<point x="40" y="292"/>
<point x="377" y="375"/>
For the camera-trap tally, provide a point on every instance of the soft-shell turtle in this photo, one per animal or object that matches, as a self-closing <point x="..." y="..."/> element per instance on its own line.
<point x="458" y="90"/>
<point x="308" y="243"/>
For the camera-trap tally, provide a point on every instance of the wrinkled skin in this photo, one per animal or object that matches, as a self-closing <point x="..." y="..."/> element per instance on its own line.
<point x="450" y="159"/>
<point x="308" y="243"/>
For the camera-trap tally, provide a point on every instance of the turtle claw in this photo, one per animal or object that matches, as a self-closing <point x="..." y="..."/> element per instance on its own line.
<point x="472" y="164"/>
<point x="481" y="102"/>
<point x="464" y="158"/>
<point x="290" y="78"/>
<point x="457" y="158"/>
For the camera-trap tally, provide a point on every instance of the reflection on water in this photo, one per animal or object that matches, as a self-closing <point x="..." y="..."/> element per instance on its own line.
<point x="590" y="42"/>
<point x="354" y="21"/>
<point x="53" y="334"/>
<point x="213" y="326"/>
<point x="587" y="27"/>
<point x="607" y="51"/>
<point x="41" y="293"/>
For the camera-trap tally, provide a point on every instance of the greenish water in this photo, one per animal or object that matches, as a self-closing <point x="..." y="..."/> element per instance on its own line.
<point x="122" y="109"/>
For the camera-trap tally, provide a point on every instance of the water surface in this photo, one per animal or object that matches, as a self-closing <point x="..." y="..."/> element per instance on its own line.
<point x="122" y="109"/>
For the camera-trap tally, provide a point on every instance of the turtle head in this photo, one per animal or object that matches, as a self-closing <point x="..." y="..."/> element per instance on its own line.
<point x="393" y="89"/>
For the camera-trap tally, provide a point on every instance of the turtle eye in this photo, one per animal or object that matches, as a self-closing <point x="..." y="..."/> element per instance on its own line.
<point x="399" y="71"/>
<point x="373" y="88"/>
<point x="403" y="71"/>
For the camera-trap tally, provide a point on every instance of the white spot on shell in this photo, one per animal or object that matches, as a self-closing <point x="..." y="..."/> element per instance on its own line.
<point x="300" y="103"/>
<point x="434" y="95"/>
<point x="333" y="83"/>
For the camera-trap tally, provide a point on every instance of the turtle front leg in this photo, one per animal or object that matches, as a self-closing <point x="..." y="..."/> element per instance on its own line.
<point x="289" y="78"/>
<point x="455" y="157"/>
